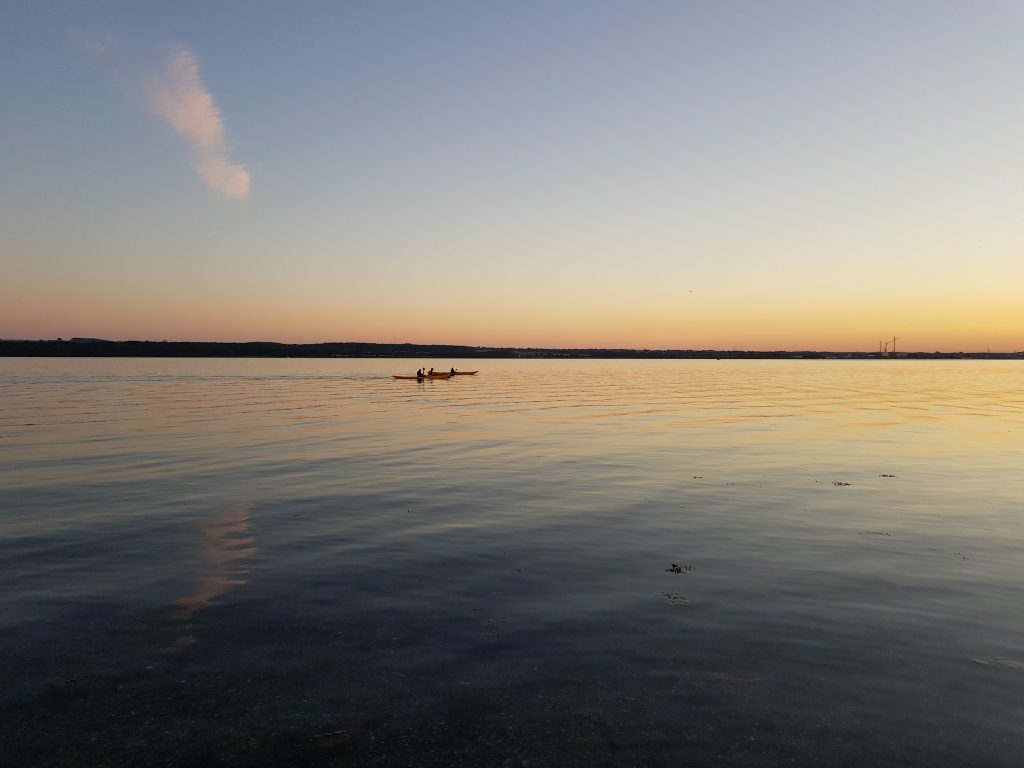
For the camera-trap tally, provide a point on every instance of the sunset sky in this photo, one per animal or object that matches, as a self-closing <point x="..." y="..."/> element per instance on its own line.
<point x="753" y="175"/>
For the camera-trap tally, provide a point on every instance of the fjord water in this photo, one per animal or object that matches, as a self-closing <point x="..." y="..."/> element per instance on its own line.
<point x="284" y="561"/>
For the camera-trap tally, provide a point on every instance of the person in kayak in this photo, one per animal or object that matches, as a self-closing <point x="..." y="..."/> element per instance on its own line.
<point x="453" y="372"/>
<point x="431" y="372"/>
<point x="419" y="374"/>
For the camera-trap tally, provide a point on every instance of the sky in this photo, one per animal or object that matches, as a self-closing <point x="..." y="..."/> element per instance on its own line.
<point x="750" y="175"/>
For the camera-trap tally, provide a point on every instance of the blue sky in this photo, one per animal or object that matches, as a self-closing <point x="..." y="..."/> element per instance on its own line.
<point x="762" y="175"/>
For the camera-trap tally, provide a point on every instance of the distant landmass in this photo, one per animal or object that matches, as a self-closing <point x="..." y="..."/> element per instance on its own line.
<point x="85" y="347"/>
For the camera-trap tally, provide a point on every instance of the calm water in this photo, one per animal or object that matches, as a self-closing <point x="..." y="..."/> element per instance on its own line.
<point x="274" y="562"/>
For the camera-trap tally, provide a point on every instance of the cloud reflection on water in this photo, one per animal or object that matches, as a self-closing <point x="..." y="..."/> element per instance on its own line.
<point x="222" y="543"/>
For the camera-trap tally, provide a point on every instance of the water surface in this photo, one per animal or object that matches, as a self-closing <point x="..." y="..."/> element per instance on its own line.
<point x="254" y="562"/>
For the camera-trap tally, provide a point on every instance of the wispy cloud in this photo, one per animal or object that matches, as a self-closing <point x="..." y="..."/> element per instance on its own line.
<point x="179" y="96"/>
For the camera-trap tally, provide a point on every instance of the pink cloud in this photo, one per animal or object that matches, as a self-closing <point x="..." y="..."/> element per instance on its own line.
<point x="179" y="96"/>
<point x="224" y="176"/>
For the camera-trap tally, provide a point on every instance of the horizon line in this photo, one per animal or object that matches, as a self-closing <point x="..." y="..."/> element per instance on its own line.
<point x="497" y="348"/>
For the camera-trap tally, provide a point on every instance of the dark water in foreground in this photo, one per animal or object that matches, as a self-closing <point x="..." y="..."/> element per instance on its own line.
<point x="286" y="562"/>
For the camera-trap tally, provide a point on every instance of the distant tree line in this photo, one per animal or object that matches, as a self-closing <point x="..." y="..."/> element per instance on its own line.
<point x="78" y="347"/>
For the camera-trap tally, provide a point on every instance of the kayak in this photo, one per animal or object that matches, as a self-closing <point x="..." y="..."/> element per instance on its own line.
<point x="466" y="373"/>
<point x="428" y="376"/>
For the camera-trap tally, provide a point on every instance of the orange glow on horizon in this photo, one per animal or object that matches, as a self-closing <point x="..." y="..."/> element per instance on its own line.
<point x="847" y="322"/>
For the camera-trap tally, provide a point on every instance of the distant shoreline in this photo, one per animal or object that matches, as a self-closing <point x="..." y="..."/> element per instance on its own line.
<point x="266" y="349"/>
